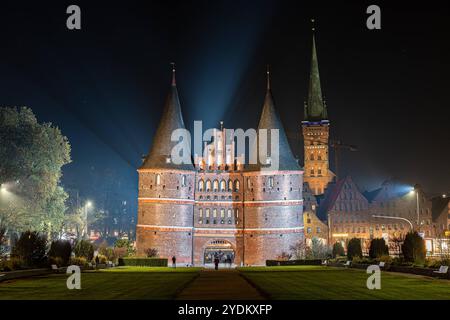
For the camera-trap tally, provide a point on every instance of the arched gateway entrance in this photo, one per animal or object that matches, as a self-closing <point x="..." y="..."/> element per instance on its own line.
<point x="219" y="248"/>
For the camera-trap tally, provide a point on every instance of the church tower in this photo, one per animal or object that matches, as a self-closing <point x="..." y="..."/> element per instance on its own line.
<point x="315" y="127"/>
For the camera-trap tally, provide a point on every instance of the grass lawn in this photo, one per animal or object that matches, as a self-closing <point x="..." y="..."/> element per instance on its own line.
<point x="115" y="283"/>
<point x="317" y="282"/>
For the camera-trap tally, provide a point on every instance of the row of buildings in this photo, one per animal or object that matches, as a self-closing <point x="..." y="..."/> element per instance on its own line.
<point x="344" y="212"/>
<point x="216" y="205"/>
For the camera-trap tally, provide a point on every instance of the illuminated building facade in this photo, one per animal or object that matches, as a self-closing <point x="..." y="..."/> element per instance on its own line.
<point x="216" y="206"/>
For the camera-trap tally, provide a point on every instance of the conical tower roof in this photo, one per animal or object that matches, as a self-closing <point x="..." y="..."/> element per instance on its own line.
<point x="271" y="120"/>
<point x="316" y="109"/>
<point x="171" y="120"/>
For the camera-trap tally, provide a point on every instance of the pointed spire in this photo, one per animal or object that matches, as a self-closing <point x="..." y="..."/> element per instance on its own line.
<point x="268" y="77"/>
<point x="316" y="107"/>
<point x="174" y="81"/>
<point x="171" y="119"/>
<point x="271" y="120"/>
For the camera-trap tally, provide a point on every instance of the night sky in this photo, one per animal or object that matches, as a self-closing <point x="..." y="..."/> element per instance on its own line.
<point x="104" y="86"/>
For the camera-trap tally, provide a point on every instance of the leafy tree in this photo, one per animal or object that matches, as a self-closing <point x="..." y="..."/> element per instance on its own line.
<point x="125" y="243"/>
<point x="378" y="248"/>
<point x="300" y="250"/>
<point x="2" y="242"/>
<point x="413" y="248"/>
<point x="32" y="155"/>
<point x="61" y="249"/>
<point x="30" y="248"/>
<point x="338" y="250"/>
<point x="354" y="248"/>
<point x="318" y="249"/>
<point x="83" y="248"/>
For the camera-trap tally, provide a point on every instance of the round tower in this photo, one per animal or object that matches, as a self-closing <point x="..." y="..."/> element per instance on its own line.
<point x="166" y="191"/>
<point x="273" y="205"/>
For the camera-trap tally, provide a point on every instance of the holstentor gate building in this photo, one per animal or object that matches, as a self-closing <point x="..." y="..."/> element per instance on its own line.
<point x="216" y="204"/>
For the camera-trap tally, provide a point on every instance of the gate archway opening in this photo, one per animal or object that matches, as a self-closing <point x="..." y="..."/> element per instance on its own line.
<point x="221" y="249"/>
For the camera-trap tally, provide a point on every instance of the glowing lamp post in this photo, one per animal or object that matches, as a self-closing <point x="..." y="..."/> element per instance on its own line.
<point x="87" y="206"/>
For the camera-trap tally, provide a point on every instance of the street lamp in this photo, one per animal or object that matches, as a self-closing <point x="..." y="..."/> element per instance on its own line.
<point x="3" y="188"/>
<point x="86" y="207"/>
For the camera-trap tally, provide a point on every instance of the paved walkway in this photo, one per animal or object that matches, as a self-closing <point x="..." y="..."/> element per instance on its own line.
<point x="219" y="285"/>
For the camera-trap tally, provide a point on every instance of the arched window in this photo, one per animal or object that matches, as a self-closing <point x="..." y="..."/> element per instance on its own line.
<point x="248" y="183"/>
<point x="183" y="181"/>
<point x="215" y="213"/>
<point x="201" y="185"/>
<point x="229" y="213"/>
<point x="223" y="185"/>
<point x="222" y="213"/>
<point x="236" y="185"/>
<point x="158" y="179"/>
<point x="237" y="213"/>
<point x="207" y="213"/>
<point x="200" y="213"/>
<point x="311" y="157"/>
<point x="208" y="185"/>
<point x="216" y="185"/>
<point x="230" y="185"/>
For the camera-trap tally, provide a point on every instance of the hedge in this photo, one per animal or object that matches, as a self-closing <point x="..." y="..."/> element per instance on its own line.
<point x="309" y="262"/>
<point x="143" y="262"/>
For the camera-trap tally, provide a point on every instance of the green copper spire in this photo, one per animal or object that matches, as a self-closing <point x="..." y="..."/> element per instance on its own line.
<point x="316" y="109"/>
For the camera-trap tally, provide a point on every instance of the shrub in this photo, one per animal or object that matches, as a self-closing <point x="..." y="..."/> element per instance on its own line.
<point x="108" y="252"/>
<point x="143" y="262"/>
<point x="386" y="259"/>
<point x="56" y="260"/>
<point x="79" y="261"/>
<point x="30" y="248"/>
<point x="284" y="256"/>
<point x="120" y="252"/>
<point x="338" y="250"/>
<point x="13" y="263"/>
<point x="362" y="260"/>
<point x="413" y="248"/>
<point x="124" y="243"/>
<point x="151" y="252"/>
<point x="83" y="248"/>
<point x="61" y="249"/>
<point x="354" y="248"/>
<point x="307" y="262"/>
<point x="378" y="248"/>
<point x="102" y="259"/>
